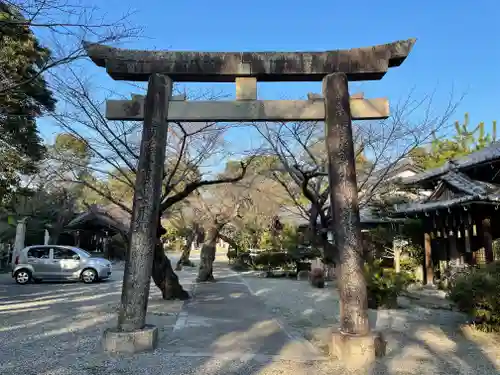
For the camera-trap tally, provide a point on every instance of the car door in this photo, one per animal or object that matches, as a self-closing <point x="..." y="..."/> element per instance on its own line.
<point x="39" y="259"/>
<point x="69" y="262"/>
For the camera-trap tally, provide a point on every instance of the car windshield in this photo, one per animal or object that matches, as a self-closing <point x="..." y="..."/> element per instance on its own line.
<point x="85" y="253"/>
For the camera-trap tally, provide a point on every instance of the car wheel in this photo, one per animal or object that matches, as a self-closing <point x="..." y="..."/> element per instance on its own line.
<point x="89" y="276"/>
<point x="22" y="277"/>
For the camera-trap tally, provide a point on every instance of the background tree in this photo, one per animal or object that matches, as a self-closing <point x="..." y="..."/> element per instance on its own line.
<point x="380" y="146"/>
<point x="113" y="146"/>
<point x="47" y="202"/>
<point x="463" y="142"/>
<point x="265" y="197"/>
<point x="219" y="207"/>
<point x="62" y="26"/>
<point x="185" y="218"/>
<point x="21" y="56"/>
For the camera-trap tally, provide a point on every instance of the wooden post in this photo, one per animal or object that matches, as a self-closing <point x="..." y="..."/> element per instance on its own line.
<point x="453" y="253"/>
<point x="487" y="240"/>
<point x="429" y="271"/>
<point x="146" y="206"/>
<point x="344" y="204"/>
<point x="396" y="246"/>
<point x="467" y="244"/>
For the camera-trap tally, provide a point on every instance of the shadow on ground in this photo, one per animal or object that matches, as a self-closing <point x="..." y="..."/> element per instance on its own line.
<point x="420" y="340"/>
<point x="240" y="325"/>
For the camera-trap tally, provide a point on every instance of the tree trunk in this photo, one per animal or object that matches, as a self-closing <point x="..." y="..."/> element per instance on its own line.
<point x="330" y="253"/>
<point x="186" y="251"/>
<point x="230" y="241"/>
<point x="163" y="274"/>
<point x="207" y="256"/>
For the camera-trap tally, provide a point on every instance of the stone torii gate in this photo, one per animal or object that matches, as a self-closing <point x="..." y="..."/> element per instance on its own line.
<point x="335" y="107"/>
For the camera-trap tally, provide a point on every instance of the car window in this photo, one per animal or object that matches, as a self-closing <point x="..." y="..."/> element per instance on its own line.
<point x="85" y="253"/>
<point x="39" y="253"/>
<point x="60" y="253"/>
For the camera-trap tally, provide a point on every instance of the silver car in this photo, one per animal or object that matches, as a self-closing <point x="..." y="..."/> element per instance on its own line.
<point x="53" y="262"/>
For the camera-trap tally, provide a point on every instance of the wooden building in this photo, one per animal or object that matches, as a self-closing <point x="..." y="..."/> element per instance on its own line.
<point x="461" y="216"/>
<point x="93" y="230"/>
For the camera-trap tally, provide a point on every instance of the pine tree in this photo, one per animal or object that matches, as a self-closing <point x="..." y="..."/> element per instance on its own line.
<point x="462" y="143"/>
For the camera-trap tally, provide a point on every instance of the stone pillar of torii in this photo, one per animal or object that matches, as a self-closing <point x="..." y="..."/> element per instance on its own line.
<point x="354" y="342"/>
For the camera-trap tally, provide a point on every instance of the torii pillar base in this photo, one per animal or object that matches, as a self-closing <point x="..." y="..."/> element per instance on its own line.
<point x="137" y="341"/>
<point x="357" y="351"/>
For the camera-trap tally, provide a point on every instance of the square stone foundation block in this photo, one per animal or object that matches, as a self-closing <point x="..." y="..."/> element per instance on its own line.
<point x="130" y="342"/>
<point x="357" y="350"/>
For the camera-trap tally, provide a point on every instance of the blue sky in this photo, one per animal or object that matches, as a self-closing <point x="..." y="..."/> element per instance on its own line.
<point x="458" y="46"/>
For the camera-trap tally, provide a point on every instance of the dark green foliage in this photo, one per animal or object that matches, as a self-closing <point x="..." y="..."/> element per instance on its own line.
<point x="384" y="285"/>
<point x="477" y="293"/>
<point x="463" y="142"/>
<point x="232" y="254"/>
<point x="272" y="260"/>
<point x="304" y="253"/>
<point x="282" y="259"/>
<point x="24" y="96"/>
<point x="240" y="261"/>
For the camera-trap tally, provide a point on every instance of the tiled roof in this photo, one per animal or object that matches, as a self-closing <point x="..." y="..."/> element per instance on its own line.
<point x="484" y="155"/>
<point x="469" y="191"/>
<point x="292" y="216"/>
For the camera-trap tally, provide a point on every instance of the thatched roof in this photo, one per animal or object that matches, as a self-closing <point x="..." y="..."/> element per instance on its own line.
<point x="454" y="189"/>
<point x="481" y="157"/>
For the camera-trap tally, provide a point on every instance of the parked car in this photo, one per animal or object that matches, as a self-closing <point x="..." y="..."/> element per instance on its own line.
<point x="53" y="262"/>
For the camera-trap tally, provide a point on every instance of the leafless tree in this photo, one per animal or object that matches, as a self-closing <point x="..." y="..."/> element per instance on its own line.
<point x="62" y="25"/>
<point x="191" y="150"/>
<point x="380" y="147"/>
<point x="218" y="208"/>
<point x="185" y="217"/>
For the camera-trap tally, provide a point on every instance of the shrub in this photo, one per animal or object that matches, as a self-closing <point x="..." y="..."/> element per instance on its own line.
<point x="317" y="277"/>
<point x="241" y="260"/>
<point x="453" y="273"/>
<point x="477" y="293"/>
<point x="384" y="285"/>
<point x="245" y="258"/>
<point x="232" y="254"/>
<point x="239" y="265"/>
<point x="272" y="259"/>
<point x="304" y="253"/>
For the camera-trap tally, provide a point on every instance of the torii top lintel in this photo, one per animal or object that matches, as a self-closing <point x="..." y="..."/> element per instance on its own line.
<point x="359" y="64"/>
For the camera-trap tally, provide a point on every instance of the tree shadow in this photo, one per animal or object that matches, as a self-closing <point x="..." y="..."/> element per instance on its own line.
<point x="59" y="330"/>
<point x="424" y="340"/>
<point x="232" y="327"/>
<point x="419" y="340"/>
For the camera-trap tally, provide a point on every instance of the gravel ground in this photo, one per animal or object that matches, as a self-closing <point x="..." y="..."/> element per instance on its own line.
<point x="55" y="329"/>
<point x="420" y="340"/>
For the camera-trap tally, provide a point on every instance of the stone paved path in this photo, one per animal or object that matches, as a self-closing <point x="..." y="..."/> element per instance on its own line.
<point x="226" y="319"/>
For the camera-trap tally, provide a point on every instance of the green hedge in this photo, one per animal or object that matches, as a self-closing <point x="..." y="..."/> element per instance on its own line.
<point x="270" y="260"/>
<point x="384" y="285"/>
<point x="477" y="293"/>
